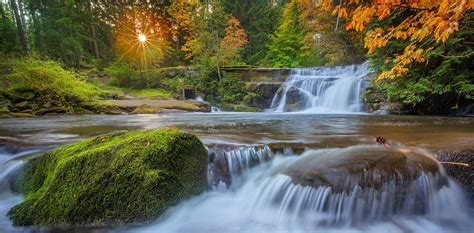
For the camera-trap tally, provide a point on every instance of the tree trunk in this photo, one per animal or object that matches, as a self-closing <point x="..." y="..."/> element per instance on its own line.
<point x="2" y="13"/>
<point x="338" y="14"/>
<point x="217" y="58"/>
<point x="21" y="29"/>
<point x="94" y="37"/>
<point x="94" y="42"/>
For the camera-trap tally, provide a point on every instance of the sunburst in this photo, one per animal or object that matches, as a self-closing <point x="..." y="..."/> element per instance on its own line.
<point x="141" y="37"/>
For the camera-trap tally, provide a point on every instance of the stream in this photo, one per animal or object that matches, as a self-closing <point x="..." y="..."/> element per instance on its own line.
<point x="252" y="198"/>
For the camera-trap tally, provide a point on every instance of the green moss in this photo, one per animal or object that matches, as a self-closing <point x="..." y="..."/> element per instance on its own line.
<point x="238" y="108"/>
<point x="112" y="179"/>
<point x="20" y="114"/>
<point x="150" y="93"/>
<point x="4" y="110"/>
<point x="145" y="109"/>
<point x="31" y="83"/>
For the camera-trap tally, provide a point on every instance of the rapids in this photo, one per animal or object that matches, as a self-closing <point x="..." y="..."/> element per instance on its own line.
<point x="268" y="201"/>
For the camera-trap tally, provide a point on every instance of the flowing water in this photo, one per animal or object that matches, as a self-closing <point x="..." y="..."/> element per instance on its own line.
<point x="247" y="190"/>
<point x="323" y="90"/>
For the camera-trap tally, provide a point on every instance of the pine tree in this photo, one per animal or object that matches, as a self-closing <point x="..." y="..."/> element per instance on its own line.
<point x="287" y="43"/>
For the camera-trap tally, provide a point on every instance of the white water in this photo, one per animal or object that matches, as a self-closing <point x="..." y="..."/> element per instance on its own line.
<point x="265" y="202"/>
<point x="215" y="109"/>
<point x="322" y="90"/>
<point x="9" y="162"/>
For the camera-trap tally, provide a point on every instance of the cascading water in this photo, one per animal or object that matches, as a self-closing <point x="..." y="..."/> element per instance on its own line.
<point x="268" y="200"/>
<point x="10" y="161"/>
<point x="228" y="163"/>
<point x="322" y="90"/>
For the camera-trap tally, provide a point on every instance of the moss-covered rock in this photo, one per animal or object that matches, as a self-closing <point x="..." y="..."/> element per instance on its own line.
<point x="45" y="111"/>
<point x="145" y="109"/>
<point x="112" y="179"/>
<point x="4" y="110"/>
<point x="20" y="114"/>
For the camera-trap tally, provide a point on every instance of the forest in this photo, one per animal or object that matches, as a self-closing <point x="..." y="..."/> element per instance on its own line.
<point x="420" y="51"/>
<point x="236" y="116"/>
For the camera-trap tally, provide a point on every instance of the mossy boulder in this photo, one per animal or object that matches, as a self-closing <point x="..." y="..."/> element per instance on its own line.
<point x="124" y="177"/>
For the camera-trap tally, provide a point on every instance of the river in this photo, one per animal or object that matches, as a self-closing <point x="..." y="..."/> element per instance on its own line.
<point x="236" y="207"/>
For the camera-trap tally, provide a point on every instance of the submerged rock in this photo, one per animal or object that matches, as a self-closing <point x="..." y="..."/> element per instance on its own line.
<point x="363" y="166"/>
<point x="112" y="179"/>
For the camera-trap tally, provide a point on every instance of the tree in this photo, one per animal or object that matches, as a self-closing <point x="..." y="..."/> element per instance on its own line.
<point x="233" y="41"/>
<point x="8" y="32"/>
<point x="425" y="24"/>
<point x="184" y="25"/>
<point x="20" y="24"/>
<point x="260" y="18"/>
<point x="286" y="47"/>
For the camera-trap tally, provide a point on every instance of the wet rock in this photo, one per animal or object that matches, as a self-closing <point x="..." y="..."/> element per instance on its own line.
<point x="463" y="174"/>
<point x="294" y="100"/>
<point x="363" y="166"/>
<point x="116" y="178"/>
<point x="260" y="95"/>
<point x="22" y="105"/>
<point x="56" y="110"/>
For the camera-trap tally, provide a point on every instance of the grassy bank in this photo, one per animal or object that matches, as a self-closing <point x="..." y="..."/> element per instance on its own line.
<point x="32" y="87"/>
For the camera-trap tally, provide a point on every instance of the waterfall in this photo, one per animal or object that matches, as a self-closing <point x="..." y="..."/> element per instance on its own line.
<point x="269" y="201"/>
<point x="227" y="163"/>
<point x="11" y="161"/>
<point x="322" y="89"/>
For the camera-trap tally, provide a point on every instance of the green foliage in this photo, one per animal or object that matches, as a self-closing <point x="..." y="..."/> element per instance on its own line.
<point x="150" y="93"/>
<point x="260" y="19"/>
<point x="444" y="82"/>
<point x="153" y="82"/>
<point x="112" y="179"/>
<point x="286" y="47"/>
<point x="47" y="81"/>
<point x="230" y="90"/>
<point x="8" y="35"/>
<point x="124" y="75"/>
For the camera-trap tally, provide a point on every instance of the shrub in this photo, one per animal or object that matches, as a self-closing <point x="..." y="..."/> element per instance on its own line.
<point x="47" y="81"/>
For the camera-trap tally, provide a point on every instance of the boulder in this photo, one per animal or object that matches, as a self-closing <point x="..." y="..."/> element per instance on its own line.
<point x="118" y="178"/>
<point x="260" y="95"/>
<point x="363" y="166"/>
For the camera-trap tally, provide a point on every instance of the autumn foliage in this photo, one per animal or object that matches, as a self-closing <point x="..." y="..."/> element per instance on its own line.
<point x="429" y="22"/>
<point x="235" y="35"/>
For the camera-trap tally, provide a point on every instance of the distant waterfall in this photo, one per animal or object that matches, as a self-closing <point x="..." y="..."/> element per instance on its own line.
<point x="322" y="89"/>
